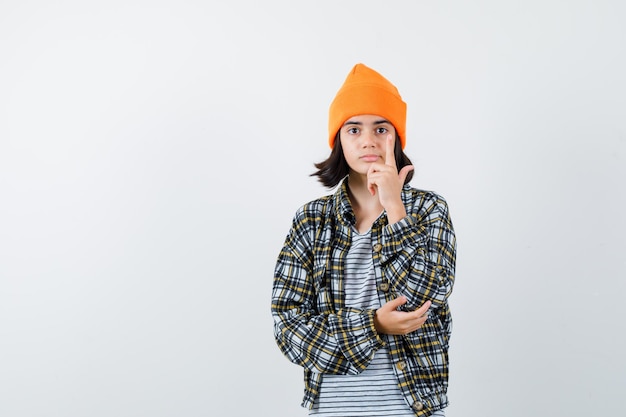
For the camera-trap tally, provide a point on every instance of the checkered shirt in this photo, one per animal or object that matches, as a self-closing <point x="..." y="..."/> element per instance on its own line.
<point x="414" y="257"/>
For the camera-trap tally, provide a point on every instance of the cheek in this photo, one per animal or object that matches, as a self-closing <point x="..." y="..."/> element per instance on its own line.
<point x="346" y="154"/>
<point x="345" y="148"/>
<point x="350" y="151"/>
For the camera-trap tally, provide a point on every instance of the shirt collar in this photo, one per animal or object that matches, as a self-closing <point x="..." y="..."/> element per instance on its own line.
<point x="342" y="203"/>
<point x="344" y="208"/>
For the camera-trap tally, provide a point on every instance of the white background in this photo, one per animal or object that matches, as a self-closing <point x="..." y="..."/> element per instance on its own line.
<point x="153" y="153"/>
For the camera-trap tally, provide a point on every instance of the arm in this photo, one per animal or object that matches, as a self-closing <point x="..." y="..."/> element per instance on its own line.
<point x="307" y="329"/>
<point x="419" y="253"/>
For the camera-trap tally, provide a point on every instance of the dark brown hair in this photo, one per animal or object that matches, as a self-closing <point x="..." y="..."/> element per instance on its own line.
<point x="331" y="171"/>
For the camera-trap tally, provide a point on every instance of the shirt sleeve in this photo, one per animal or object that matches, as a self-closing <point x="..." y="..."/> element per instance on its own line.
<point x="306" y="329"/>
<point x="419" y="253"/>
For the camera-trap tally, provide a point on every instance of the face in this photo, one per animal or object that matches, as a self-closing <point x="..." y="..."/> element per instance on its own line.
<point x="363" y="141"/>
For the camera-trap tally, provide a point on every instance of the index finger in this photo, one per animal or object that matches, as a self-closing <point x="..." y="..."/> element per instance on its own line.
<point x="390" y="157"/>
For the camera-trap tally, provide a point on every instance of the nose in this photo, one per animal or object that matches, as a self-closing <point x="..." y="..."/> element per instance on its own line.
<point x="368" y="140"/>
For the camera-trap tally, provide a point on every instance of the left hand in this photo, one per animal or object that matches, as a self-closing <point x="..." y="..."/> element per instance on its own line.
<point x="385" y="179"/>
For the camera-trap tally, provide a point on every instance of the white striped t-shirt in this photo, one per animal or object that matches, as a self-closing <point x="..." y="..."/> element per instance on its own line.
<point x="374" y="392"/>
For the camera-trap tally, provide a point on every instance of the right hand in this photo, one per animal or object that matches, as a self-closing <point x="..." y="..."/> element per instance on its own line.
<point x="388" y="320"/>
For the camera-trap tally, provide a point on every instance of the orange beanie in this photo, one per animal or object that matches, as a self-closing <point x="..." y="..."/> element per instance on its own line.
<point x="367" y="92"/>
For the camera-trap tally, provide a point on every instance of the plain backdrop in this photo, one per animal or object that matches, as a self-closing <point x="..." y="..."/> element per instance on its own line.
<point x="153" y="153"/>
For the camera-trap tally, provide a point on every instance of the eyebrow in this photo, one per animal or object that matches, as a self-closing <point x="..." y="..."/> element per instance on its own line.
<point x="377" y="122"/>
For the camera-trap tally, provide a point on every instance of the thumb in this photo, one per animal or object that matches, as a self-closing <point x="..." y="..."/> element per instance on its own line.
<point x="404" y="172"/>
<point x="395" y="303"/>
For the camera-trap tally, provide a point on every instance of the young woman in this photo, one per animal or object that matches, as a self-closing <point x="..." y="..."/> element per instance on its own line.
<point x="361" y="285"/>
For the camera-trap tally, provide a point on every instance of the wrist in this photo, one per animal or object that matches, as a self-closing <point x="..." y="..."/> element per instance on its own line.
<point x="395" y="213"/>
<point x="376" y="322"/>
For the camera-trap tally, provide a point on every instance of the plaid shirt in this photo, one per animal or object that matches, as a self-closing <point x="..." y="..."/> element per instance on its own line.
<point x="414" y="257"/>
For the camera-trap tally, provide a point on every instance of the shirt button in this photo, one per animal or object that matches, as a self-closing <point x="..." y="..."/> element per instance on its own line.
<point x="384" y="287"/>
<point x="418" y="406"/>
<point x="378" y="247"/>
<point x="401" y="365"/>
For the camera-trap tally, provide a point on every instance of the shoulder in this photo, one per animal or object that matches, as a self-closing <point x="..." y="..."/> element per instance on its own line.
<point x="308" y="220"/>
<point x="426" y="204"/>
<point x="424" y="201"/>
<point x="315" y="209"/>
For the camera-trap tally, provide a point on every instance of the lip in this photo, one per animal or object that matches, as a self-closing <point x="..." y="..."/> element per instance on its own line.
<point x="370" y="158"/>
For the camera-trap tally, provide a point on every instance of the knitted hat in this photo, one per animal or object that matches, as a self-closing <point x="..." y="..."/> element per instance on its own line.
<point x="366" y="92"/>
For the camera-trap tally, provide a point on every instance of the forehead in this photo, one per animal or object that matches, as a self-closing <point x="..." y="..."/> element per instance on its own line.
<point x="366" y="119"/>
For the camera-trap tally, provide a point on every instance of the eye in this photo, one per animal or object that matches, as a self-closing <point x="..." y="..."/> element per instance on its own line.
<point x="353" y="130"/>
<point x="381" y="130"/>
